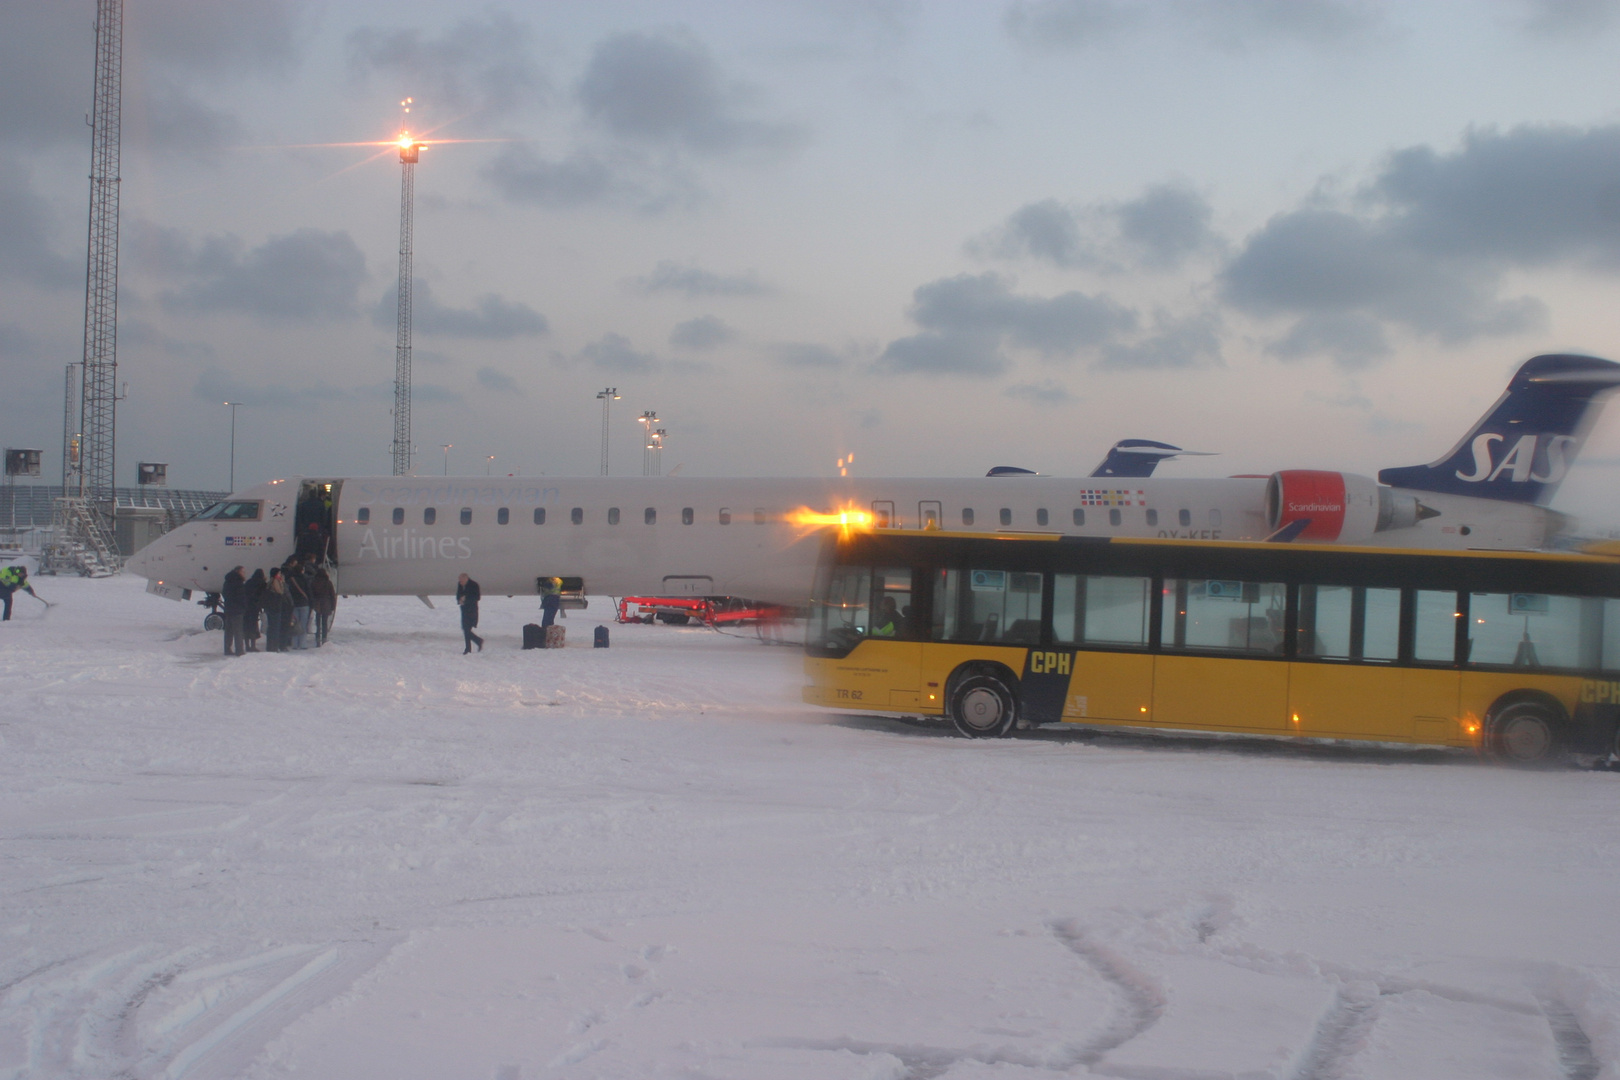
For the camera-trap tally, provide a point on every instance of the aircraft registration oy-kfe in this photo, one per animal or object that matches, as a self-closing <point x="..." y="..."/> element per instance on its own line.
<point x="759" y="538"/>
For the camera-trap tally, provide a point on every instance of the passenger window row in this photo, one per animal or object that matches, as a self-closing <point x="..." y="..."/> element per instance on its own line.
<point x="503" y="516"/>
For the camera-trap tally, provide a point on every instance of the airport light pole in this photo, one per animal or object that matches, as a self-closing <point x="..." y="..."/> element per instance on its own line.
<point x="446" y="448"/>
<point x="233" y="405"/>
<point x="488" y="463"/>
<point x="606" y="397"/>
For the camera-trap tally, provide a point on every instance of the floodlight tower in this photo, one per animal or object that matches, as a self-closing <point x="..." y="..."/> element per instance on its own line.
<point x="99" y="396"/>
<point x="607" y="397"/>
<point x="409" y="150"/>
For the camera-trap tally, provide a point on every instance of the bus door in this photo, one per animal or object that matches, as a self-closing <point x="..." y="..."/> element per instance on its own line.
<point x="883" y="514"/>
<point x="1221" y="660"/>
<point x="1106" y="620"/>
<point x="894" y="622"/>
<point x="1345" y="679"/>
<point x="929" y="515"/>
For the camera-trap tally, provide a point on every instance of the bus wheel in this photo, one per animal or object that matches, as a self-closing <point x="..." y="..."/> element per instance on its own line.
<point x="1524" y="733"/>
<point x="982" y="707"/>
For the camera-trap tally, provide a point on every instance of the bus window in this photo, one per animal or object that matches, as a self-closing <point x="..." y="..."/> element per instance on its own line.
<point x="1100" y="610"/>
<point x="947" y="587"/>
<point x="838" y="616"/>
<point x="1435" y="627"/>
<point x="1381" y="636"/>
<point x="1534" y="630"/>
<point x="891" y="603"/>
<point x="1231" y="616"/>
<point x="997" y="605"/>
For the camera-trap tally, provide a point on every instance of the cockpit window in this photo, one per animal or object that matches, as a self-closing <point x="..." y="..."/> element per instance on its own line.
<point x="212" y="511"/>
<point x="239" y="511"/>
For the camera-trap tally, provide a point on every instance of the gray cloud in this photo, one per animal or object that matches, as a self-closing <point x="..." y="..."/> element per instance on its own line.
<point x="521" y="175"/>
<point x="1158" y="230"/>
<point x="1192" y="341"/>
<point x="1563" y="18"/>
<point x="1427" y="242"/>
<point x="1045" y="392"/>
<point x="484" y="63"/>
<point x="1067" y="24"/>
<point x="703" y="332"/>
<point x="1351" y="340"/>
<point x="693" y="282"/>
<point x="807" y="355"/>
<point x="179" y="122"/>
<point x="492" y="318"/>
<point x="216" y="385"/>
<point x="498" y="381"/>
<point x="27" y="228"/>
<point x="666" y="88"/>
<point x="614" y="353"/>
<point x="226" y="40"/>
<point x="306" y="275"/>
<point x="967" y="320"/>
<point x="1236" y="23"/>
<point x="1166" y="223"/>
<point x="985" y="304"/>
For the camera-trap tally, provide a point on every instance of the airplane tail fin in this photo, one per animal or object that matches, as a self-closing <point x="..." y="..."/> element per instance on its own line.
<point x="1139" y="457"/>
<point x="1521" y="448"/>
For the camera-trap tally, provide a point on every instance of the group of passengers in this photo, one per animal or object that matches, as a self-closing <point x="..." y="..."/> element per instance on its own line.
<point x="280" y="605"/>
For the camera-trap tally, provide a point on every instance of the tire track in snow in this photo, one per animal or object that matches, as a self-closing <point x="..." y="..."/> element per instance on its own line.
<point x="1339" y="1034"/>
<point x="1142" y="1001"/>
<point x="1575" y="1056"/>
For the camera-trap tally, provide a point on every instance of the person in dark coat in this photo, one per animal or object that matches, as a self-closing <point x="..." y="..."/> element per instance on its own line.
<point x="467" y="596"/>
<point x="323" y="595"/>
<point x="233" y="595"/>
<point x="550" y="600"/>
<point x="298" y="576"/>
<point x="253" y="609"/>
<point x="277" y="611"/>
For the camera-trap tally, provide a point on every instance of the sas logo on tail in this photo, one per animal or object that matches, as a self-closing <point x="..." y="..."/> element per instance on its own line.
<point x="1520" y="461"/>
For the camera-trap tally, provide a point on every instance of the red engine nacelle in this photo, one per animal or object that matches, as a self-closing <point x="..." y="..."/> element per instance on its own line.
<point x="1337" y="506"/>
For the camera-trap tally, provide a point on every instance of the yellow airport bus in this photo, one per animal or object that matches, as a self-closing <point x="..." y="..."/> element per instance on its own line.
<point x="1514" y="653"/>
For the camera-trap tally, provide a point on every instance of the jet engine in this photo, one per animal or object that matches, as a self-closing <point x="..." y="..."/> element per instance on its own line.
<point x="1338" y="507"/>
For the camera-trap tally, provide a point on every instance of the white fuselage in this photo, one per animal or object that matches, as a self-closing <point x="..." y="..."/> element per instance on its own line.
<point x="713" y="536"/>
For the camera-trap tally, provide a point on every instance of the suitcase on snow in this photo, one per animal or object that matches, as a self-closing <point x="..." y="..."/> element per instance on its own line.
<point x="532" y="638"/>
<point x="601" y="638"/>
<point x="554" y="637"/>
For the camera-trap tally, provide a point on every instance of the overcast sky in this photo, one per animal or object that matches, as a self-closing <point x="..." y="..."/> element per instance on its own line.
<point x="940" y="236"/>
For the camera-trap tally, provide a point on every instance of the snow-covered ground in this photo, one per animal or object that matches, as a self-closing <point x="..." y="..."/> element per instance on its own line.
<point x="385" y="859"/>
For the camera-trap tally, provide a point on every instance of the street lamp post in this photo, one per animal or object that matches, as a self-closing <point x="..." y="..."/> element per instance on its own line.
<point x="606" y="397"/>
<point x="233" y="405"/>
<point x="648" y="419"/>
<point x="446" y="448"/>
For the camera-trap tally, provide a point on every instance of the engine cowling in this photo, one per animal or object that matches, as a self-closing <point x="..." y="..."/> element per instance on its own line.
<point x="1336" y="507"/>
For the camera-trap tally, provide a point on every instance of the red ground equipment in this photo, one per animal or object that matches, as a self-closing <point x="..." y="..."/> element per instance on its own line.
<point x="708" y="610"/>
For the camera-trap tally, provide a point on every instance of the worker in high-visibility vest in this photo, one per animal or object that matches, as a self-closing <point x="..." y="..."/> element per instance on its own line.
<point x="550" y="599"/>
<point x="12" y="578"/>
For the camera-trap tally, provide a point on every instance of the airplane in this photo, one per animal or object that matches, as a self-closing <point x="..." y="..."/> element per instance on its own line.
<point x="699" y="536"/>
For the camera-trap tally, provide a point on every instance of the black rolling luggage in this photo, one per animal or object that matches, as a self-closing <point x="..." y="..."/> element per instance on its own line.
<point x="533" y="638"/>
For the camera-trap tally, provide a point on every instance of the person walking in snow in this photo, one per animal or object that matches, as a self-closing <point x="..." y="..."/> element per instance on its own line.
<point x="467" y="596"/>
<point x="323" y="597"/>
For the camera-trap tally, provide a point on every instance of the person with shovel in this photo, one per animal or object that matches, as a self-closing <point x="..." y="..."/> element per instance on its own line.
<point x="12" y="578"/>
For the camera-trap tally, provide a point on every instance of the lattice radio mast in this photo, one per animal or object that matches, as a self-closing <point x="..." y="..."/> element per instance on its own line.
<point x="409" y="150"/>
<point x="99" y="397"/>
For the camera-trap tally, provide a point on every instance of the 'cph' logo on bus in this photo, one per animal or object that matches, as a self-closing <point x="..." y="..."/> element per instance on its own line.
<point x="1519" y="462"/>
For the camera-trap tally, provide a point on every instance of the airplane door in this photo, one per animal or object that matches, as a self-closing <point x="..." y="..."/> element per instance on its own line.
<point x="883" y="514"/>
<point x="929" y="515"/>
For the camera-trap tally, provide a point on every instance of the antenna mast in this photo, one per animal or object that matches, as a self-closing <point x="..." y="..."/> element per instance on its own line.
<point x="409" y="150"/>
<point x="99" y="397"/>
